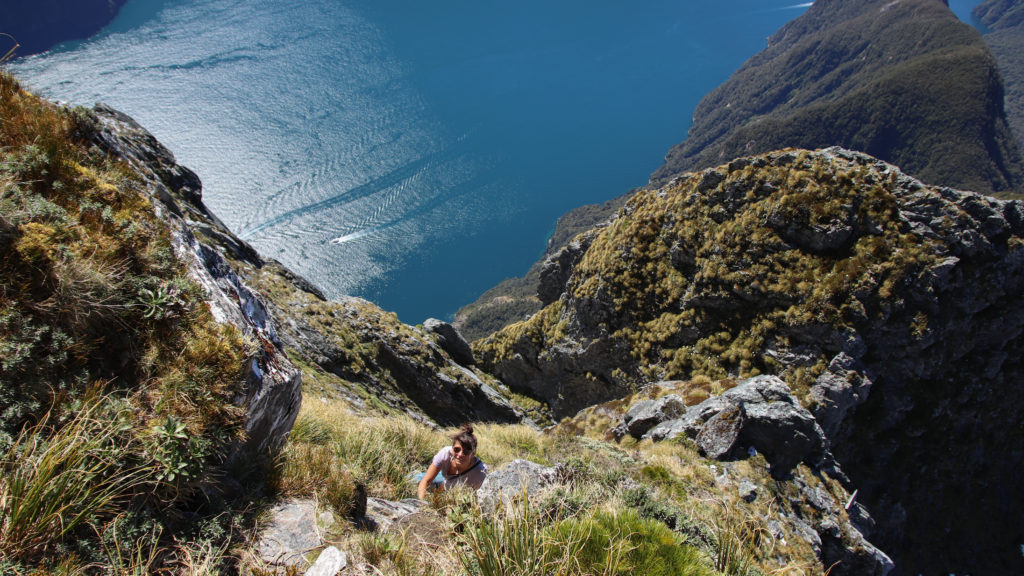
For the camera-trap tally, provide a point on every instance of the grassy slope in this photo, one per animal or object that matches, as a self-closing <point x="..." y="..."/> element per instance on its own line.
<point x="101" y="323"/>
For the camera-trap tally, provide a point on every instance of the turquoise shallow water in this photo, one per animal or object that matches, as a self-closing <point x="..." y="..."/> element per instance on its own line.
<point x="414" y="154"/>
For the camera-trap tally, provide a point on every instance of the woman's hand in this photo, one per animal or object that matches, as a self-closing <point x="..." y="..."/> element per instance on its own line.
<point x="428" y="478"/>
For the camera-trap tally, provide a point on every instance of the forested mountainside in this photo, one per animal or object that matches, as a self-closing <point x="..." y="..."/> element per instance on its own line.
<point x="38" y="25"/>
<point x="892" y="310"/>
<point x="903" y="81"/>
<point x="1005" y="36"/>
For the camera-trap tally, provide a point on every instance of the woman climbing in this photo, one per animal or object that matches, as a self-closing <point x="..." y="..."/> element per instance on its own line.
<point x="455" y="465"/>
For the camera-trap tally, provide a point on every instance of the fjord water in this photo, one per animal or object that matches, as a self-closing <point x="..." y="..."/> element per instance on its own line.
<point x="413" y="153"/>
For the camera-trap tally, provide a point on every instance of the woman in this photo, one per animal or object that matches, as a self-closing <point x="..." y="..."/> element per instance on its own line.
<point x="455" y="465"/>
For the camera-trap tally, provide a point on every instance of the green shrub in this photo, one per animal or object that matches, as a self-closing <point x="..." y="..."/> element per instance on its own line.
<point x="622" y="542"/>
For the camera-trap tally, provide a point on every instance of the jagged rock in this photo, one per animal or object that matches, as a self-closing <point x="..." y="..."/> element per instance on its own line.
<point x="836" y="235"/>
<point x="719" y="436"/>
<point x="382" y="514"/>
<point x="449" y="339"/>
<point x="292" y="532"/>
<point x="786" y="433"/>
<point x="273" y="383"/>
<point x="329" y="563"/>
<point x="672" y="429"/>
<point x="645" y="415"/>
<point x="557" y="268"/>
<point x="515" y="479"/>
<point x="851" y="551"/>
<point x="845" y="385"/>
<point x="759" y="412"/>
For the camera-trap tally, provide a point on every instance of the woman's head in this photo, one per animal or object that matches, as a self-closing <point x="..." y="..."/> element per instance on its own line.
<point x="465" y="439"/>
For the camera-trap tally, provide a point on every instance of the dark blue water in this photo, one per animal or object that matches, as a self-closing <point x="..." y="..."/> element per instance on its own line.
<point x="411" y="153"/>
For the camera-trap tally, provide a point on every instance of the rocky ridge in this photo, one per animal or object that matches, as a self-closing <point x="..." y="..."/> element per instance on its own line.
<point x="890" y="308"/>
<point x="274" y="384"/>
<point x="360" y="350"/>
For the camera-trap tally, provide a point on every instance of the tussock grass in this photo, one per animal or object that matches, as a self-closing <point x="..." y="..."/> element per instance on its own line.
<point x="332" y="449"/>
<point x="58" y="476"/>
<point x="502" y="443"/>
<point x="632" y="508"/>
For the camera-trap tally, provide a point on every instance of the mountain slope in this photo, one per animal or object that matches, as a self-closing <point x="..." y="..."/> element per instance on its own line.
<point x="904" y="81"/>
<point x="1005" y="20"/>
<point x="891" y="308"/>
<point x="117" y="279"/>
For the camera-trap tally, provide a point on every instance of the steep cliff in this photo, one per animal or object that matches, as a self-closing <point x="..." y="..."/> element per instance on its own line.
<point x="137" y="368"/>
<point x="892" y="309"/>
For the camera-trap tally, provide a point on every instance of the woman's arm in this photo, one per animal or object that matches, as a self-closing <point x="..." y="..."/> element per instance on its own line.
<point x="432" y="472"/>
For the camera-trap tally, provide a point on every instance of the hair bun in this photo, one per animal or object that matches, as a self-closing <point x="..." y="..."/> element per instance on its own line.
<point x="467" y="428"/>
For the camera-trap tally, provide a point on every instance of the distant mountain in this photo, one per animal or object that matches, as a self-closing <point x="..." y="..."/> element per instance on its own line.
<point x="903" y="80"/>
<point x="38" y="25"/>
<point x="1005" y="21"/>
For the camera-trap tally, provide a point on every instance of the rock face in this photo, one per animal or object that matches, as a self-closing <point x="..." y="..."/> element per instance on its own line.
<point x="514" y="480"/>
<point x="449" y="339"/>
<point x="274" y="384"/>
<point x="760" y="413"/>
<point x="645" y="415"/>
<point x="904" y="81"/>
<point x="293" y="532"/>
<point x="891" y="309"/>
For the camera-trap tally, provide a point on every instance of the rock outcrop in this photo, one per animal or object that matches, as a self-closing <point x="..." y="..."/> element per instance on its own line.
<point x="273" y="384"/>
<point x="449" y="339"/>
<point x="760" y="413"/>
<point x="891" y="309"/>
<point x="904" y="81"/>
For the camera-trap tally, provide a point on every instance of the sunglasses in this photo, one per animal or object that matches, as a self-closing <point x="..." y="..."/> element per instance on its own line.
<point x="459" y="450"/>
